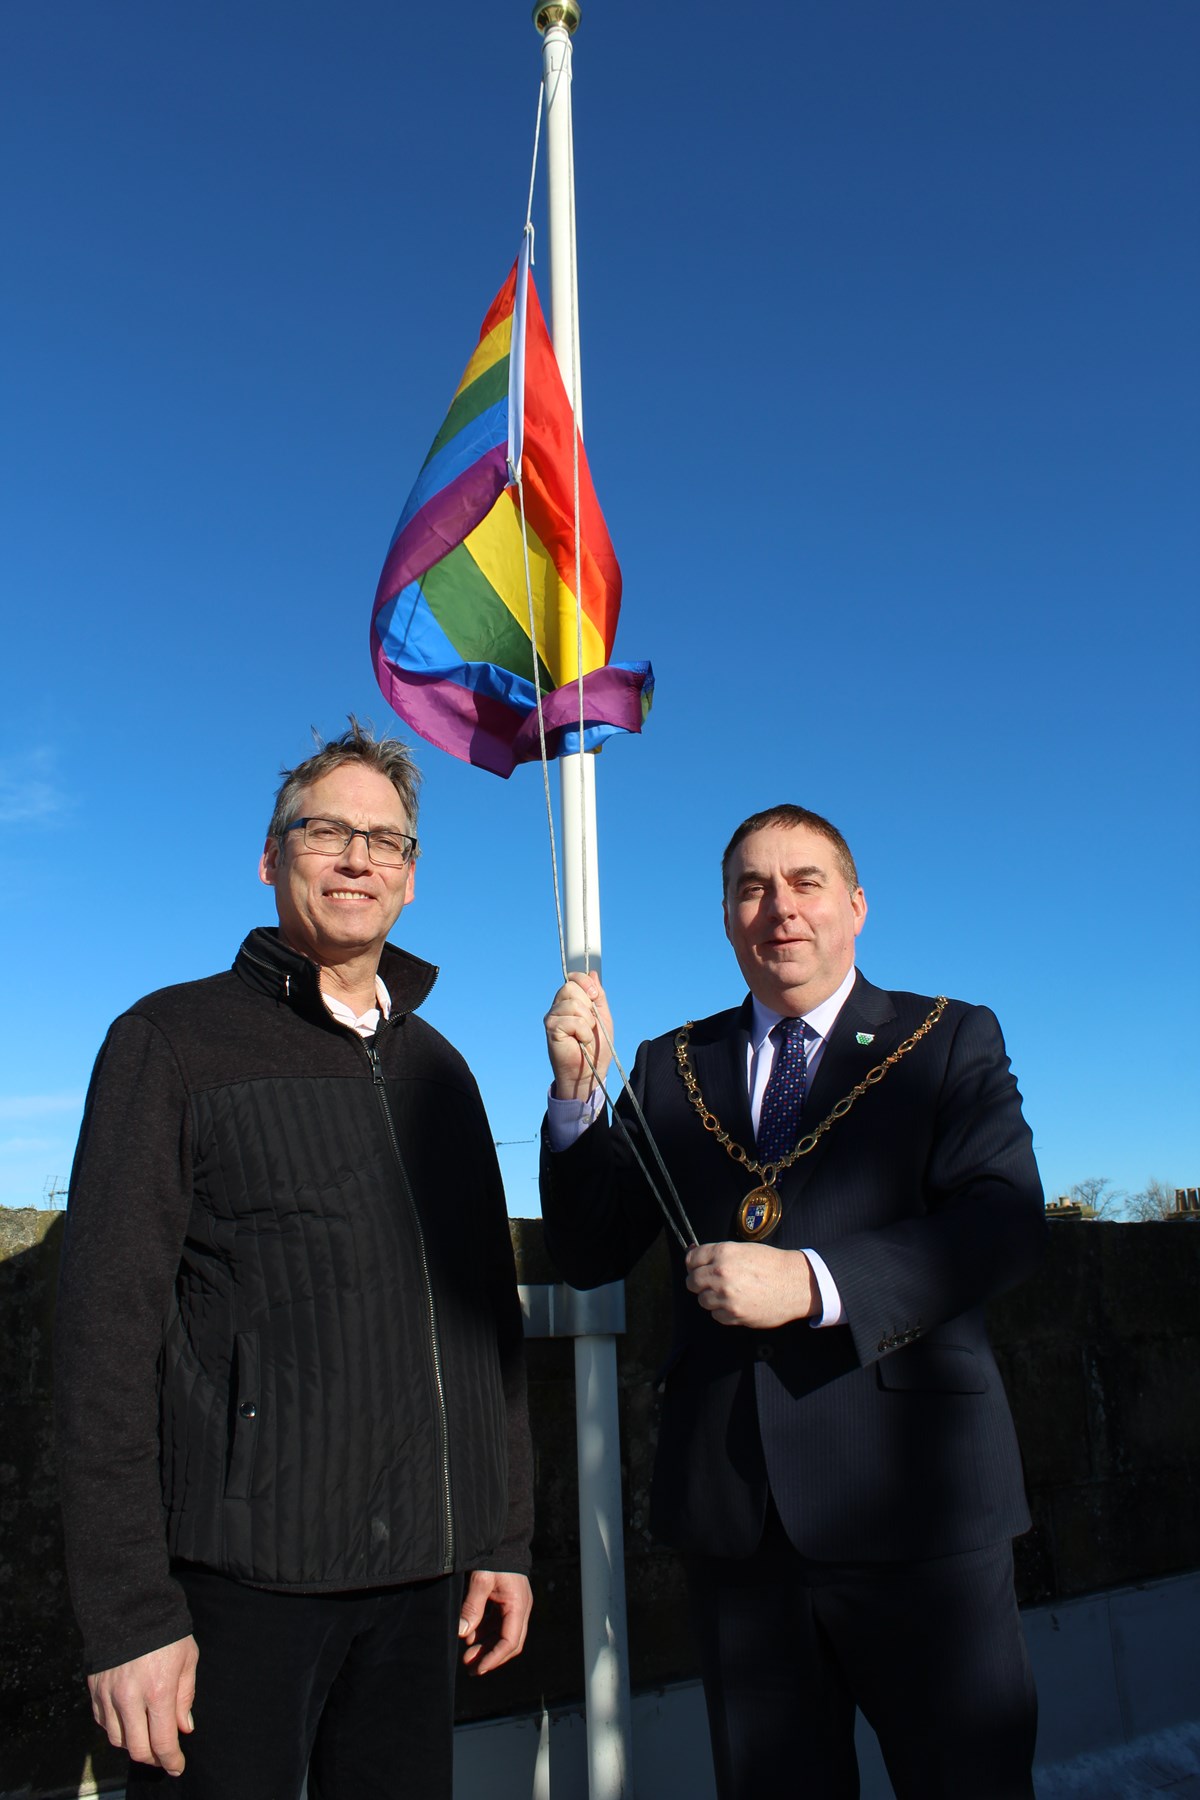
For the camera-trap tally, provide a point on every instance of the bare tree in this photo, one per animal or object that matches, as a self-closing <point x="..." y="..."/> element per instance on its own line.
<point x="1098" y="1194"/>
<point x="1155" y="1201"/>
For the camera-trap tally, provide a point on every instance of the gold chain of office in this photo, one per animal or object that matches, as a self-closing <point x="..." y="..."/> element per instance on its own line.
<point x="770" y="1171"/>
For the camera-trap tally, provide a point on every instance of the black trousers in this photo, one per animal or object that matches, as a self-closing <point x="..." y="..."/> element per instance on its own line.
<point x="356" y="1689"/>
<point x="932" y="1652"/>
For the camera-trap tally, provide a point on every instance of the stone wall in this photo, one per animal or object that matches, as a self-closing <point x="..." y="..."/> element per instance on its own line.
<point x="1100" y="1351"/>
<point x="45" y="1724"/>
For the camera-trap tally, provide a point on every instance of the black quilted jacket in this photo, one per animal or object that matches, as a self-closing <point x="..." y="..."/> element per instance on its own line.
<point x="289" y="1343"/>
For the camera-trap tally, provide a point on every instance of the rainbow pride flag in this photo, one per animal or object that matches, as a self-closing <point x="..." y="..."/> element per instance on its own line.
<point x="450" y="629"/>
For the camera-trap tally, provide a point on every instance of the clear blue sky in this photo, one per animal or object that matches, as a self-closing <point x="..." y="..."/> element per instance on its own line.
<point x="890" y="380"/>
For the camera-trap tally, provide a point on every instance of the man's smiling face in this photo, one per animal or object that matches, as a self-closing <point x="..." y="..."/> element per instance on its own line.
<point x="336" y="908"/>
<point x="791" y="916"/>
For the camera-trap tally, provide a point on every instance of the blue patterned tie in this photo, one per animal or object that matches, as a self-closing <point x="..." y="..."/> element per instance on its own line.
<point x="783" y="1102"/>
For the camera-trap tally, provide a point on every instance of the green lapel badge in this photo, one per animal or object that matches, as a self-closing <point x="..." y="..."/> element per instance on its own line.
<point x="864" y="1037"/>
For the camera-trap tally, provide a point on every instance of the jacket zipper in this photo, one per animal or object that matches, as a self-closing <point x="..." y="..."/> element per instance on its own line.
<point x="380" y="1087"/>
<point x="435" y="1345"/>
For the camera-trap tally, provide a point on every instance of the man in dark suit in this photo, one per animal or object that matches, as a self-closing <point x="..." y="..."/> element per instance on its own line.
<point x="836" y="1457"/>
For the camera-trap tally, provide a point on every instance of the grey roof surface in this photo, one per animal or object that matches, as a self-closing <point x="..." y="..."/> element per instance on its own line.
<point x="1167" y="1762"/>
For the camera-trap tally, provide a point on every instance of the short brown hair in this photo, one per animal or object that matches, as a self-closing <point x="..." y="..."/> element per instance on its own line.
<point x="387" y="755"/>
<point x="789" y="816"/>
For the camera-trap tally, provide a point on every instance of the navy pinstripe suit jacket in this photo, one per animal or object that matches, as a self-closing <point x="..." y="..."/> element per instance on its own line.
<point x="886" y="1438"/>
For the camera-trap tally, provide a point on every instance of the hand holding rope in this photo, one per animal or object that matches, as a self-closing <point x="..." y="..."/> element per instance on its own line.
<point x="580" y="1003"/>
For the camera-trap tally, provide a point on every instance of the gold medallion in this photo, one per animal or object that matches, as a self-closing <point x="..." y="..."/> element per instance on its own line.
<point x="759" y="1214"/>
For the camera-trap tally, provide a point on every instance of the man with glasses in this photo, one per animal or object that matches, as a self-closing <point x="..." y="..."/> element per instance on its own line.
<point x="293" y="1443"/>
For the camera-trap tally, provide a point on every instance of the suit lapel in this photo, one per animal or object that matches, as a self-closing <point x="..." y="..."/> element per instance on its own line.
<point x="720" y="1064"/>
<point x="868" y="1013"/>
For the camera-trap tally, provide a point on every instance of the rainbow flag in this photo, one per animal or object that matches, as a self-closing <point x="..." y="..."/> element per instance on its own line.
<point x="450" y="629"/>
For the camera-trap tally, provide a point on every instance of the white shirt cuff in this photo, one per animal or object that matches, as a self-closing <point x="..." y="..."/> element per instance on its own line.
<point x="831" y="1300"/>
<point x="567" y="1120"/>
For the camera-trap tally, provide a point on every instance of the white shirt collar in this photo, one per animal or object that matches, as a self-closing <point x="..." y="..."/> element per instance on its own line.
<point x="366" y="1024"/>
<point x="819" y="1019"/>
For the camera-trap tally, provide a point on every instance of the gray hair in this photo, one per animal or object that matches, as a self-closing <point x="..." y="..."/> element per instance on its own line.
<point x="386" y="755"/>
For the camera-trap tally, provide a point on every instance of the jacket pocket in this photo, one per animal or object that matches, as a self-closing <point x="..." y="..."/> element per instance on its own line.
<point x="244" y="1405"/>
<point x="193" y="1425"/>
<point x="929" y="1368"/>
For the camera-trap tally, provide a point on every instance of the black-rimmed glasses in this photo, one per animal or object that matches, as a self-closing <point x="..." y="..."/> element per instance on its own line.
<point x="387" y="848"/>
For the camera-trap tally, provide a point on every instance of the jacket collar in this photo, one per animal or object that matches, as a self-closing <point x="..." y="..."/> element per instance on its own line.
<point x="267" y="964"/>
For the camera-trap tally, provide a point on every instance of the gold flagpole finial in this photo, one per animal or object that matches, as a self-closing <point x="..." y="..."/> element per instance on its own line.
<point x="556" y="12"/>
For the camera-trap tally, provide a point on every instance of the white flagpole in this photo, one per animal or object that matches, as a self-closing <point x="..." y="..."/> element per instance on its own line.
<point x="556" y="20"/>
<point x="598" y="1450"/>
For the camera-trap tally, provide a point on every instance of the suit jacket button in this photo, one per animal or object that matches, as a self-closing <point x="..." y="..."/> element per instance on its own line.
<point x="247" y="1409"/>
<point x="764" y="1352"/>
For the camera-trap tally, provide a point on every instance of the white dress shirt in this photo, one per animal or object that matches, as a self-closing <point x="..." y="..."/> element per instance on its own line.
<point x="567" y="1120"/>
<point x="760" y="1060"/>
